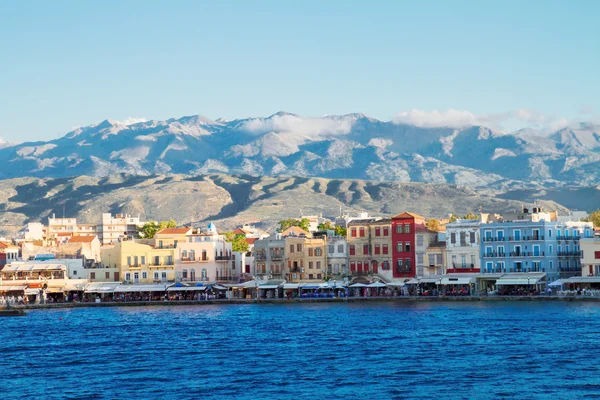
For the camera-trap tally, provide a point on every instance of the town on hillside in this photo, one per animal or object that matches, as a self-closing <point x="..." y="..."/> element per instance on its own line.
<point x="530" y="252"/>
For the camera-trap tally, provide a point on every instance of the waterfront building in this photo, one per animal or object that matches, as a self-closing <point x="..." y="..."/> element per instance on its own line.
<point x="8" y="253"/>
<point x="435" y="255"/>
<point x="305" y="258"/>
<point x="204" y="256"/>
<point x="337" y="257"/>
<point x="404" y="257"/>
<point x="531" y="242"/>
<point x="590" y="256"/>
<point x="462" y="246"/>
<point x="141" y="263"/>
<point x="369" y="247"/>
<point x="269" y="257"/>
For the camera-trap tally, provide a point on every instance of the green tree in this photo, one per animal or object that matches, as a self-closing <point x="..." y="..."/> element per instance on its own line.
<point x="341" y="231"/>
<point x="238" y="242"/>
<point x="303" y="224"/>
<point x="453" y="218"/>
<point x="471" y="216"/>
<point x="594" y="217"/>
<point x="151" y="228"/>
<point x="433" y="225"/>
<point x="325" y="226"/>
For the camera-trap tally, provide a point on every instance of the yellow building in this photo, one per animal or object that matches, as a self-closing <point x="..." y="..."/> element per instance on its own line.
<point x="141" y="263"/>
<point x="306" y="258"/>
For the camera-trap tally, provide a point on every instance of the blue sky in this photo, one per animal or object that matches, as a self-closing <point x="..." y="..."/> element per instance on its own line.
<point x="74" y="63"/>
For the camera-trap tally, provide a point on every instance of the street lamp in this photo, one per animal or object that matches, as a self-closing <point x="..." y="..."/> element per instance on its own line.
<point x="528" y="284"/>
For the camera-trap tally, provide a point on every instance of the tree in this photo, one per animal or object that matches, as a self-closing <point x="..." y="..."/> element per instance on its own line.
<point x="238" y="242"/>
<point x="151" y="228"/>
<point x="471" y="216"/>
<point x="433" y="225"/>
<point x="341" y="231"/>
<point x="594" y="217"/>
<point x="453" y="218"/>
<point x="303" y="224"/>
<point x="325" y="226"/>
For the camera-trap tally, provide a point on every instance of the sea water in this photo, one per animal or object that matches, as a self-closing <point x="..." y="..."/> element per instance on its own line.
<point x="386" y="350"/>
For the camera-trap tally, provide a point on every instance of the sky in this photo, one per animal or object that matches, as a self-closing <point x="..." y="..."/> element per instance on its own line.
<point x="508" y="63"/>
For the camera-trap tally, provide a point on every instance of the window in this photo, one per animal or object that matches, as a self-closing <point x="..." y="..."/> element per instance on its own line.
<point x="549" y="232"/>
<point x="353" y="232"/>
<point x="597" y="255"/>
<point x="144" y="275"/>
<point x="143" y="260"/>
<point x="472" y="237"/>
<point x="353" y="266"/>
<point x="299" y="247"/>
<point x="365" y="249"/>
<point x="399" y="266"/>
<point x="472" y="260"/>
<point x="362" y="232"/>
<point x="291" y="248"/>
<point x="386" y="231"/>
<point x="419" y="240"/>
<point x="352" y="250"/>
<point x="310" y="265"/>
<point x="399" y="247"/>
<point x="127" y="276"/>
<point x="399" y="228"/>
<point x="431" y="259"/>
<point x="318" y="276"/>
<point x="163" y="275"/>
<point x="204" y="274"/>
<point x="407" y="247"/>
<point x="169" y="260"/>
<point x="310" y="276"/>
<point x="318" y="252"/>
<point x="463" y="239"/>
<point x="385" y="249"/>
<point x="331" y="249"/>
<point x="377" y="231"/>
<point x="420" y="258"/>
<point x="310" y="252"/>
<point x="377" y="249"/>
<point x="184" y="254"/>
<point x="438" y="259"/>
<point x="406" y="228"/>
<point x="107" y="275"/>
<point x="340" y="248"/>
<point x="184" y="274"/>
<point x="407" y="264"/>
<point x="156" y="276"/>
<point x="452" y="239"/>
<point x="129" y="261"/>
<point x="318" y="265"/>
<point x="156" y="260"/>
<point x="93" y="275"/>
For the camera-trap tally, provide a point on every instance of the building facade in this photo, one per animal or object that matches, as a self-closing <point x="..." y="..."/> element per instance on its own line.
<point x="306" y="258"/>
<point x="403" y="239"/>
<point x="590" y="256"/>
<point x="269" y="257"/>
<point x="369" y="247"/>
<point x="462" y="246"/>
<point x="119" y="227"/>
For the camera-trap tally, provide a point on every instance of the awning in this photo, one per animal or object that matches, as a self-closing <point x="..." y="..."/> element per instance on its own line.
<point x="582" y="279"/>
<point x="413" y="281"/>
<point x="54" y="290"/>
<point x="358" y="285"/>
<point x="32" y="292"/>
<point x="376" y="285"/>
<point x="517" y="281"/>
<point x="186" y="288"/>
<point x="139" y="288"/>
<point x="268" y="286"/>
<point x="12" y="288"/>
<point x="290" y="285"/>
<point x="429" y="280"/>
<point x="395" y="283"/>
<point x="559" y="282"/>
<point x="98" y="287"/>
<point x="457" y="280"/>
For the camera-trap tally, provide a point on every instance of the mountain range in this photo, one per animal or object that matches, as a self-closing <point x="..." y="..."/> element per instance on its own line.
<point x="352" y="146"/>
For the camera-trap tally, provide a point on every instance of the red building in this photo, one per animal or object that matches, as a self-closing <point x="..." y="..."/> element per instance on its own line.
<point x="404" y="256"/>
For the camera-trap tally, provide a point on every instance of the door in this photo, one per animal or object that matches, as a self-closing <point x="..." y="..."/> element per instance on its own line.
<point x="116" y="277"/>
<point x="193" y="275"/>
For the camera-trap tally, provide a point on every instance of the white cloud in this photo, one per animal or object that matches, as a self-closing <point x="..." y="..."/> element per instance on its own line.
<point x="131" y="121"/>
<point x="511" y="120"/>
<point x="312" y="127"/>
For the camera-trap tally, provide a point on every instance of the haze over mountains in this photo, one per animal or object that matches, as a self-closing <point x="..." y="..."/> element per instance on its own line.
<point x="351" y="146"/>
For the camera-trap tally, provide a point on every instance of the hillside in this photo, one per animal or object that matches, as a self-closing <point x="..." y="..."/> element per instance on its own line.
<point x="231" y="200"/>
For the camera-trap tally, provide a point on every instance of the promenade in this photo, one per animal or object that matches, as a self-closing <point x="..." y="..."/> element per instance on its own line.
<point x="401" y="299"/>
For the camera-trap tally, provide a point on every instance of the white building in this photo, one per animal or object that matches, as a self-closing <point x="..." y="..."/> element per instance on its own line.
<point x="112" y="229"/>
<point x="64" y="227"/>
<point x="462" y="246"/>
<point x="337" y="256"/>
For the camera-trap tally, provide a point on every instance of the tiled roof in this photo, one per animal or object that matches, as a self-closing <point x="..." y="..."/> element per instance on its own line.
<point x="174" y="231"/>
<point x="4" y="245"/>
<point x="64" y="234"/>
<point x="251" y="240"/>
<point x="363" y="221"/>
<point x="407" y="214"/>
<point x="82" y="239"/>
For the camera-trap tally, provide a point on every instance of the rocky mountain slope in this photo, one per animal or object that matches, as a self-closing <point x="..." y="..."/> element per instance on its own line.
<point x="350" y="146"/>
<point x="233" y="200"/>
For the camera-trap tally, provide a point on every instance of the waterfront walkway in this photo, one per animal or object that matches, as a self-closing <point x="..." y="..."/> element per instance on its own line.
<point x="306" y="300"/>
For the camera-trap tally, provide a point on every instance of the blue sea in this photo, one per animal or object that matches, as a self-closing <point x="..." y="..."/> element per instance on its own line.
<point x="395" y="350"/>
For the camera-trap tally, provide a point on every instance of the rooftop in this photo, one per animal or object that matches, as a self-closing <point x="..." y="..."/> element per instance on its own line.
<point x="81" y="239"/>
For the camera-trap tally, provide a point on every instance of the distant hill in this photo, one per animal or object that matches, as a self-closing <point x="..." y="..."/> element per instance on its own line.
<point x="351" y="146"/>
<point x="233" y="200"/>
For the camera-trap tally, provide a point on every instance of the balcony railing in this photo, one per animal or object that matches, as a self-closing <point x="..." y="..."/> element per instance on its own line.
<point x="525" y="238"/>
<point x="494" y="254"/>
<point x="526" y="254"/>
<point x="276" y="257"/>
<point x="569" y="253"/>
<point x="223" y="258"/>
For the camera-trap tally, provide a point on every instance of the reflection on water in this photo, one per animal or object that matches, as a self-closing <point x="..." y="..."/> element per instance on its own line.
<point x="384" y="350"/>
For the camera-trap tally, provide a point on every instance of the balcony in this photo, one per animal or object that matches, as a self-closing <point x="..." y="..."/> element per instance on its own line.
<point x="527" y="254"/>
<point x="492" y="239"/>
<point x="494" y="254"/>
<point x="525" y="238"/>
<point x="223" y="258"/>
<point x="569" y="254"/>
<point x="260" y="257"/>
<point x="276" y="257"/>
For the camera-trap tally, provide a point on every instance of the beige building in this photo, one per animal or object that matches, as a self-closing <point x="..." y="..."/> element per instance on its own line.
<point x="63" y="227"/>
<point x="121" y="226"/>
<point x="590" y="256"/>
<point x="87" y="247"/>
<point x="369" y="247"/>
<point x="141" y="263"/>
<point x="306" y="258"/>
